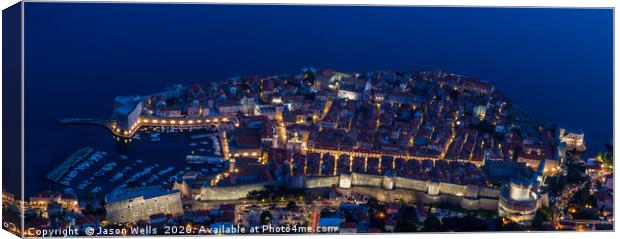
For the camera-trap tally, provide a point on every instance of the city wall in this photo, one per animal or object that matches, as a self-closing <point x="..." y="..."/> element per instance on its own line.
<point x="385" y="188"/>
<point x="208" y="193"/>
<point x="321" y="182"/>
<point x="358" y="179"/>
<point x="422" y="197"/>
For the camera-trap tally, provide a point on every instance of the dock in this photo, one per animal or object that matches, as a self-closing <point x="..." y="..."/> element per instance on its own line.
<point x="69" y="162"/>
<point x="149" y="121"/>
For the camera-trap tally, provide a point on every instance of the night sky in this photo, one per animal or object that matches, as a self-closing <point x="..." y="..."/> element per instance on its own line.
<point x="556" y="64"/>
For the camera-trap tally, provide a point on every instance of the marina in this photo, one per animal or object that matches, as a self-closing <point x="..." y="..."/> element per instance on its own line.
<point x="91" y="171"/>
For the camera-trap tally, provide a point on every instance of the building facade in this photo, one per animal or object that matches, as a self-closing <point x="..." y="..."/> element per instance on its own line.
<point x="135" y="204"/>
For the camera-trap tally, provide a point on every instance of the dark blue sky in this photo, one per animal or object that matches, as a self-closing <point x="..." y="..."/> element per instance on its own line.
<point x="554" y="63"/>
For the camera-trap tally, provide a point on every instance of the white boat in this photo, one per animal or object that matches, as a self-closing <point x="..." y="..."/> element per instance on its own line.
<point x="198" y="159"/>
<point x="155" y="137"/>
<point x="199" y="136"/>
<point x="117" y="177"/>
<point x="109" y="166"/>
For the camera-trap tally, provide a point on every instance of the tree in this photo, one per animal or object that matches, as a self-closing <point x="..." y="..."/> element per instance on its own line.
<point x="291" y="205"/>
<point x="542" y="215"/>
<point x="468" y="223"/>
<point x="576" y="172"/>
<point x="432" y="224"/>
<point x="606" y="158"/>
<point x="254" y="194"/>
<point x="265" y="217"/>
<point x="504" y="224"/>
<point x="405" y="225"/>
<point x="454" y="94"/>
<point x="373" y="203"/>
<point x="309" y="75"/>
<point x="89" y="209"/>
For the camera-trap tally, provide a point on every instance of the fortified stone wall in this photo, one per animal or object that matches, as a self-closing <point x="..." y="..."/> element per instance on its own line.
<point x="411" y="184"/>
<point x="422" y="197"/>
<point x="208" y="193"/>
<point x="322" y="182"/>
<point x="452" y="189"/>
<point x="488" y="203"/>
<point x="471" y="197"/>
<point x="358" y="179"/>
<point x="488" y="192"/>
<point x="471" y="191"/>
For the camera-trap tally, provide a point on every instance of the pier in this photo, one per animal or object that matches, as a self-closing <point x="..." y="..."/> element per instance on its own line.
<point x="72" y="160"/>
<point x="150" y="121"/>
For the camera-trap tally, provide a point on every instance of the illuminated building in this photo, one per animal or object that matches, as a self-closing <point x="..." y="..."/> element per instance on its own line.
<point x="135" y="204"/>
<point x="42" y="201"/>
<point x="127" y="111"/>
<point x="517" y="202"/>
<point x="572" y="140"/>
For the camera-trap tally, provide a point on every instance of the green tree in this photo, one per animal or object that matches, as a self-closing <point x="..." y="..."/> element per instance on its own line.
<point x="291" y="205"/>
<point x="405" y="225"/>
<point x="607" y="158"/>
<point x="503" y="224"/>
<point x="468" y="223"/>
<point x="432" y="224"/>
<point x="542" y="215"/>
<point x="265" y="217"/>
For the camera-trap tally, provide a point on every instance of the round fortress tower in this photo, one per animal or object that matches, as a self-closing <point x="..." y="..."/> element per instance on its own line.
<point x="517" y="202"/>
<point x="520" y="191"/>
